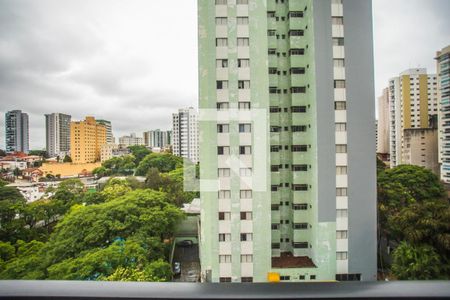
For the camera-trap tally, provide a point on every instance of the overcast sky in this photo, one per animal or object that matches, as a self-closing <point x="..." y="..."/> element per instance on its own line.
<point x="134" y="62"/>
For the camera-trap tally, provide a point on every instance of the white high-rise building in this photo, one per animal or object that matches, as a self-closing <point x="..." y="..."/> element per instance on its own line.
<point x="16" y="131"/>
<point x="185" y="134"/>
<point x="131" y="140"/>
<point x="109" y="134"/>
<point x="57" y="129"/>
<point x="443" y="72"/>
<point x="158" y="138"/>
<point x="383" y="123"/>
<point x="413" y="102"/>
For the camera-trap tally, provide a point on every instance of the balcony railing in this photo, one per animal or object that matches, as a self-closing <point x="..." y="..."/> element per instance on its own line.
<point x="18" y="289"/>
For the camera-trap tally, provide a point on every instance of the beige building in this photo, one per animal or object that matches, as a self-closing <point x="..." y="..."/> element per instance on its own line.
<point x="86" y="140"/>
<point x="383" y="122"/>
<point x="421" y="148"/>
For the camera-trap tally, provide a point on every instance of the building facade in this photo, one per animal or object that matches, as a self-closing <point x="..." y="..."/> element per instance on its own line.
<point x="86" y="140"/>
<point x="421" y="148"/>
<point x="131" y="140"/>
<point x="109" y="151"/>
<point x="109" y="134"/>
<point x="57" y="133"/>
<point x="383" y="123"/>
<point x="287" y="140"/>
<point x="185" y="134"/>
<point x="158" y="139"/>
<point x="16" y="131"/>
<point x="412" y="101"/>
<point x="443" y="73"/>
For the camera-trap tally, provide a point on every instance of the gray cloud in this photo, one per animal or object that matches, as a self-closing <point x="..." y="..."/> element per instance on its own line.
<point x="135" y="62"/>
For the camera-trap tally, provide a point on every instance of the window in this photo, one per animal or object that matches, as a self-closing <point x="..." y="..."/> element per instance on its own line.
<point x="341" y="148"/>
<point x="299" y="168"/>
<point x="225" y="259"/>
<point x="285" y="278"/>
<point x="341" y="255"/>
<point x="348" y="277"/>
<point x="300" y="226"/>
<point x="298" y="128"/>
<point x="298" y="109"/>
<point x="338" y="63"/>
<point x="341" y="234"/>
<point x="339" y="84"/>
<point x="300" y="245"/>
<point x="338" y="41"/>
<point x="275" y="129"/>
<point x="243" y="63"/>
<point x="297" y="70"/>
<point x="274" y="168"/>
<point x="246" y="279"/>
<point x="223" y="128"/>
<point x="298" y="90"/>
<point x="275" y="207"/>
<point x="275" y="245"/>
<point x="297" y="51"/>
<point x="221" y="42"/>
<point x="300" y="187"/>
<point x="271" y="14"/>
<point x="272" y="90"/>
<point x="340" y="105"/>
<point x="341" y="192"/>
<point x="301" y="206"/>
<point x="246" y="237"/>
<point x="243" y="42"/>
<point x="341" y="126"/>
<point x="245" y="128"/>
<point x="341" y="213"/>
<point x="222" y="84"/>
<point x="245" y="150"/>
<point x="221" y="63"/>
<point x="243" y="84"/>
<point x="224" y="216"/>
<point x="246" y="215"/>
<point x="223" y="150"/>
<point x="275" y="109"/>
<point x="224" y="237"/>
<point x="295" y="14"/>
<point x="312" y="277"/>
<point x="246" y="258"/>
<point x="275" y="148"/>
<point x="244" y="105"/>
<point x="223" y="105"/>
<point x="295" y="32"/>
<point x="223" y="172"/>
<point x="242" y="2"/>
<point x="245" y="194"/>
<point x="274" y="188"/>
<point x="299" y="148"/>
<point x="341" y="170"/>
<point x="221" y="21"/>
<point x="271" y="32"/>
<point x="337" y="20"/>
<point x="224" y="194"/>
<point x="225" y="279"/>
<point x="273" y="71"/>
<point x="245" y="172"/>
<point x="242" y="20"/>
<point x="275" y="226"/>
<point x="272" y="51"/>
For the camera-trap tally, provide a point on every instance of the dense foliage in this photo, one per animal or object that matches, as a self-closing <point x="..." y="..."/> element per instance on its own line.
<point x="414" y="219"/>
<point x="117" y="233"/>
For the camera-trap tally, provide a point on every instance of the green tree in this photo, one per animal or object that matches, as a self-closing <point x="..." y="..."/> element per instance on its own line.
<point x="120" y="165"/>
<point x="101" y="172"/>
<point x="2" y="153"/>
<point x="27" y="264"/>
<point x="12" y="204"/>
<point x="139" y="152"/>
<point x="67" y="159"/>
<point x="416" y="262"/>
<point x="41" y="153"/>
<point x="115" y="188"/>
<point x="158" y="271"/>
<point x="164" y="162"/>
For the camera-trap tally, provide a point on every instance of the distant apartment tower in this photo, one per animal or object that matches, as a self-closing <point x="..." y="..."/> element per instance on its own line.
<point x="131" y="140"/>
<point x="109" y="134"/>
<point x="412" y="102"/>
<point x="287" y="141"/>
<point x="421" y="148"/>
<point x="157" y="138"/>
<point x="16" y="131"/>
<point x="443" y="72"/>
<point x="383" y="123"/>
<point x="185" y="134"/>
<point x="57" y="129"/>
<point x="86" y="140"/>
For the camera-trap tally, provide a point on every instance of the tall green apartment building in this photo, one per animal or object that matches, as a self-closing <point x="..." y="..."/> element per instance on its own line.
<point x="287" y="146"/>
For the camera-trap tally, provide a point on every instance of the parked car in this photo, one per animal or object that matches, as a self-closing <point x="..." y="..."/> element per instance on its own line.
<point x="176" y="268"/>
<point x="185" y="243"/>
